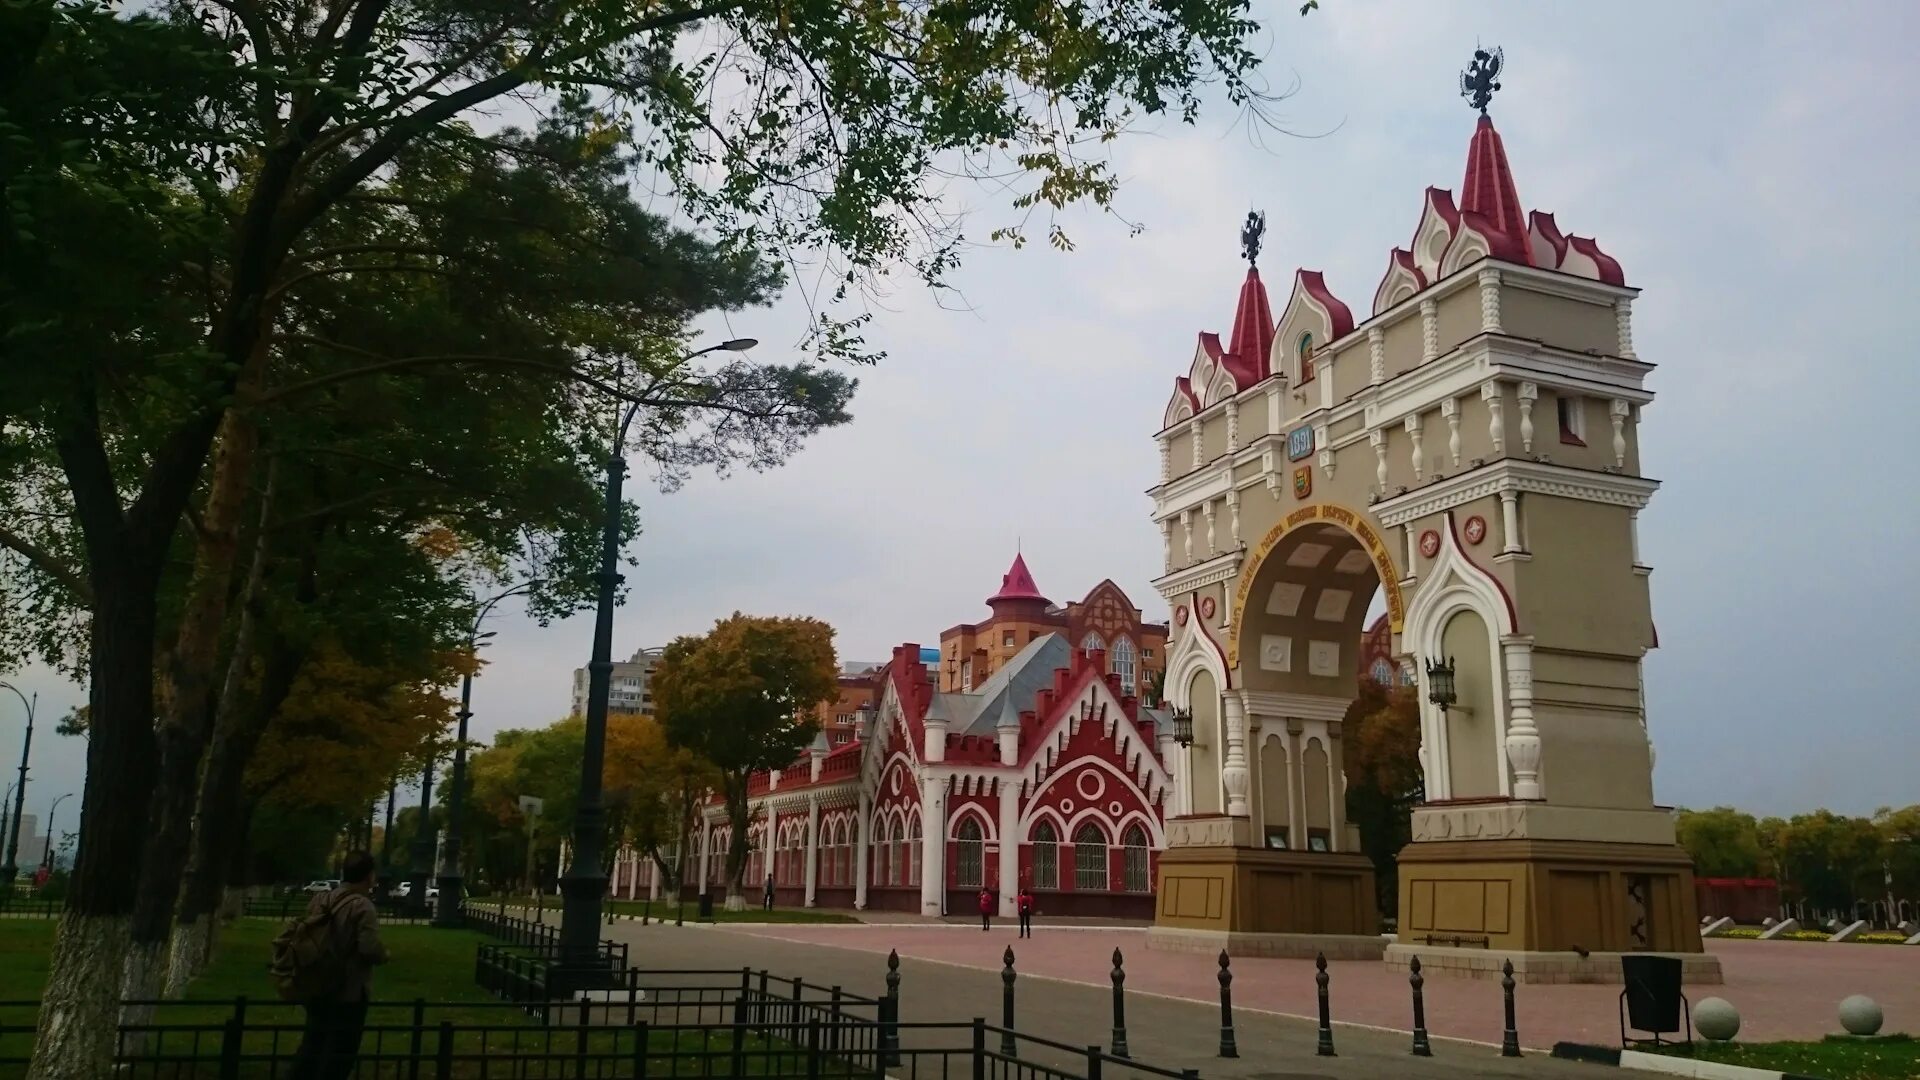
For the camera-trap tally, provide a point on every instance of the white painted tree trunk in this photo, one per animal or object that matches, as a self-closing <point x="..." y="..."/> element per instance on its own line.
<point x="736" y="901"/>
<point x="186" y="955"/>
<point x="78" y="1028"/>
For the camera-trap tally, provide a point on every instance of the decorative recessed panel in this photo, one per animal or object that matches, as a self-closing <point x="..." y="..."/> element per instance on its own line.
<point x="1090" y="784"/>
<point x="1285" y="598"/>
<point x="1332" y="605"/>
<point x="1475" y="529"/>
<point x="1323" y="658"/>
<point x="1206" y="607"/>
<point x="1354" y="562"/>
<point x="1430" y="543"/>
<point x="1276" y="652"/>
<point x="1180" y="615"/>
<point x="1308" y="555"/>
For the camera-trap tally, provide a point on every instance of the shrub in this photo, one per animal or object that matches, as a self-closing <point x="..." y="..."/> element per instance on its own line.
<point x="1748" y="932"/>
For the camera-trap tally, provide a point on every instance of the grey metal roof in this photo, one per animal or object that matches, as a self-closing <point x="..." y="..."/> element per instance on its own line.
<point x="1001" y="698"/>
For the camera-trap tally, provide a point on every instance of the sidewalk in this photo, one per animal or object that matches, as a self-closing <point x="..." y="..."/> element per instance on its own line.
<point x="964" y="982"/>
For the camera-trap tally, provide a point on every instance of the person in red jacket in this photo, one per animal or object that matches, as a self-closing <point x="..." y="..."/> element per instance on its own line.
<point x="1024" y="904"/>
<point x="986" y="910"/>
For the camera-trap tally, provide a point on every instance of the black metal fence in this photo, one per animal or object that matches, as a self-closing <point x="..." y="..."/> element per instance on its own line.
<point x="20" y="906"/>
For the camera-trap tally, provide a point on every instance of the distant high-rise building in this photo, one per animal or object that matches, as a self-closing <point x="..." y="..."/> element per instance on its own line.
<point x="631" y="692"/>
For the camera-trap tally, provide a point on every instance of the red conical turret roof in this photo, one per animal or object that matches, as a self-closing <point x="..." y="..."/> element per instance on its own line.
<point x="1252" y="342"/>
<point x="1017" y="584"/>
<point x="1489" y="192"/>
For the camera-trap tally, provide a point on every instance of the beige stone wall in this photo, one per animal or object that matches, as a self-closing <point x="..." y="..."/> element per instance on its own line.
<point x="1571" y="324"/>
<point x="1579" y="591"/>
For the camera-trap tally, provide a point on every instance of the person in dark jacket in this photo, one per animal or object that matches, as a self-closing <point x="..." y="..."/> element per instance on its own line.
<point x="766" y="898"/>
<point x="335" y="1023"/>
<point x="1025" y="906"/>
<point x="986" y="910"/>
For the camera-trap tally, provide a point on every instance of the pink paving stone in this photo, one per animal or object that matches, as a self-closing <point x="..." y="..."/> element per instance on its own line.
<point x="1784" y="990"/>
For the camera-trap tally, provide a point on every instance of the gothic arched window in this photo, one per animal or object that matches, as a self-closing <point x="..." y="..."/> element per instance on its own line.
<point x="1135" y="869"/>
<point x="1089" y="857"/>
<point x="1122" y="663"/>
<point x="1046" y="856"/>
<point x="969" y="854"/>
<point x="1306" y="357"/>
<point x="1093" y="641"/>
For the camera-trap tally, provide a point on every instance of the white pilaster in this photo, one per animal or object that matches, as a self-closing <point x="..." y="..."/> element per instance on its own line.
<point x="1526" y="395"/>
<point x="1623" y="323"/>
<point x="1496" y="417"/>
<point x="1199" y="440"/>
<point x="1376" y="355"/>
<point x="1166" y="458"/>
<point x="1429" y="329"/>
<point x="1490" y="301"/>
<point x="1413" y="550"/>
<point x="1633" y="535"/>
<point x="706" y="852"/>
<point x="813" y="847"/>
<point x="1509" y="521"/>
<point x="862" y="840"/>
<point x="933" y="845"/>
<point x="1233" y="425"/>
<point x="1523" y="738"/>
<point x="935" y="749"/>
<point x="1419" y="453"/>
<point x="1618" y="410"/>
<point x="1450" y="408"/>
<point x="1010" y="839"/>
<point x="1233" y="768"/>
<point x="769" y="853"/>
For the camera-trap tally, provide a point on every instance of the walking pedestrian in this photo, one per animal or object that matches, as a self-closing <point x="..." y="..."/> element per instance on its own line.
<point x="986" y="910"/>
<point x="1025" y="905"/>
<point x="326" y="961"/>
<point x="766" y="900"/>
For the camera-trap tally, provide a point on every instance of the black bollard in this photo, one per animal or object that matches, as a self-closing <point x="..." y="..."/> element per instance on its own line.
<point x="1119" y="1007"/>
<point x="1510" y="1038"/>
<point x="646" y="913"/>
<point x="890" y="1031"/>
<point x="1421" y="1048"/>
<point x="1227" y="1047"/>
<point x="1007" y="1047"/>
<point x="1325" y="1047"/>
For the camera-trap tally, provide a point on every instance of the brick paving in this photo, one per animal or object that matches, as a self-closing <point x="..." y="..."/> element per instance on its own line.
<point x="1784" y="990"/>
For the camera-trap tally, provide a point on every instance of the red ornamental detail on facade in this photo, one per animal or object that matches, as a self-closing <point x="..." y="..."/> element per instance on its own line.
<point x="1475" y="529"/>
<point x="1430" y="543"/>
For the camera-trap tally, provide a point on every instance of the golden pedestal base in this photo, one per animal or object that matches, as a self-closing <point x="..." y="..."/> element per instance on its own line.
<point x="1256" y="902"/>
<point x="1547" y="896"/>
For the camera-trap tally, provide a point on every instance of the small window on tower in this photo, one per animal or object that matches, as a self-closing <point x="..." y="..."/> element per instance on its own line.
<point x="1146" y="653"/>
<point x="1006" y="639"/>
<point x="1306" y="357"/>
<point x="1573" y="429"/>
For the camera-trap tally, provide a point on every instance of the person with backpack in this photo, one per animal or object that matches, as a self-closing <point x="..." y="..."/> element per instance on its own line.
<point x="325" y="961"/>
<point x="1024" y="904"/>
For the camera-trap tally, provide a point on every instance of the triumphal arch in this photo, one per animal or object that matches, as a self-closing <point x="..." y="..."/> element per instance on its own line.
<point x="1466" y="457"/>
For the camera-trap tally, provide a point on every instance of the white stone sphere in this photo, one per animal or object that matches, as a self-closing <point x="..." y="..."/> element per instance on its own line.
<point x="1716" y="1019"/>
<point x="1861" y="1015"/>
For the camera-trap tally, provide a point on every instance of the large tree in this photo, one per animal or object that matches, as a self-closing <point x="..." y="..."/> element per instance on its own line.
<point x="742" y="697"/>
<point x="1381" y="735"/>
<point x="1724" y="842"/>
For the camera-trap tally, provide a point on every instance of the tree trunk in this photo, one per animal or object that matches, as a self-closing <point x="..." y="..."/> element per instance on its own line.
<point x="182" y="735"/>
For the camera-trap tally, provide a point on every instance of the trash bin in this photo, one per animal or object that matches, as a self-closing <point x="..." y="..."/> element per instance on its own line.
<point x="706" y="905"/>
<point x="1652" y="1001"/>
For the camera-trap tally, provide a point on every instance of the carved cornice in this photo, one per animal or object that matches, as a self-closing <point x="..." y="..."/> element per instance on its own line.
<point x="1516" y="474"/>
<point x="1222" y="567"/>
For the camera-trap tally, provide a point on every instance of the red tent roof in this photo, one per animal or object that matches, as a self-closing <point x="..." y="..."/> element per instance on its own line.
<point x="1017" y="584"/>
<point x="1489" y="192"/>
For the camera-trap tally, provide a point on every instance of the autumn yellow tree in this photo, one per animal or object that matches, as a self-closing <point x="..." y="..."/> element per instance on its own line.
<point x="658" y="787"/>
<point x="1382" y="758"/>
<point x="742" y="696"/>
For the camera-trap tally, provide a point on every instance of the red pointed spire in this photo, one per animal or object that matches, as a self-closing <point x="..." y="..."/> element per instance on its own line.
<point x="1017" y="584"/>
<point x="1489" y="192"/>
<point x="1252" y="341"/>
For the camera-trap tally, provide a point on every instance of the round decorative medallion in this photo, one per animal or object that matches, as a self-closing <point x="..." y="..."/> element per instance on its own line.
<point x="1090" y="790"/>
<point x="1180" y="615"/>
<point x="896" y="781"/>
<point x="1066" y="806"/>
<point x="1206" y="607"/>
<point x="1429" y="543"/>
<point x="1475" y="529"/>
<point x="1114" y="808"/>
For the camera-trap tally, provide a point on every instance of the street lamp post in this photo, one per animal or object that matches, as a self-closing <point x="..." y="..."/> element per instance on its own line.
<point x="46" y="857"/>
<point x="585" y="884"/>
<point x="447" y="912"/>
<point x="10" y="867"/>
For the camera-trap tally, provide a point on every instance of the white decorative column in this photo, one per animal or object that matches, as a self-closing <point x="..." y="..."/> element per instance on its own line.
<point x="1450" y="408"/>
<point x="1296" y="787"/>
<point x="1207" y="511"/>
<point x="933" y="845"/>
<point x="1233" y="425"/>
<point x="1618" y="410"/>
<point x="1413" y="435"/>
<point x="1509" y="522"/>
<point x="1490" y="301"/>
<point x="1009" y="845"/>
<point x="1199" y="431"/>
<point x="769" y="853"/>
<point x="1233" y="514"/>
<point x="862" y="840"/>
<point x="1496" y="417"/>
<point x="1233" y="768"/>
<point x="1413" y="550"/>
<point x="1623" y="323"/>
<point x="1633" y="535"/>
<point x="1166" y="458"/>
<point x="935" y="749"/>
<point x="1186" y="529"/>
<point x="706" y="852"/>
<point x="1526" y="395"/>
<point x="813" y="847"/>
<point x="1376" y="356"/>
<point x="1378" y="437"/>
<point x="1166" y="542"/>
<point x="1429" y="329"/>
<point x="1523" y="738"/>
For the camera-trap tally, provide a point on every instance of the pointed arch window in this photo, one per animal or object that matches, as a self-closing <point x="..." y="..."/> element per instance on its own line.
<point x="1305" y="349"/>
<point x="1122" y="663"/>
<point x="1135" y="868"/>
<point x="913" y="852"/>
<point x="1089" y="858"/>
<point x="1093" y="641"/>
<point x="969" y="854"/>
<point x="1046" y="856"/>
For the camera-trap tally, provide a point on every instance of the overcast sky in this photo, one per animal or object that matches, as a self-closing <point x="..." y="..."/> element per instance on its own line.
<point x="1752" y="167"/>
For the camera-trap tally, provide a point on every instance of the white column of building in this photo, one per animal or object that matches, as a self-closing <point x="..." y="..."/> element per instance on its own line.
<point x="863" y="840"/>
<point x="1233" y="768"/>
<point x="769" y="841"/>
<point x="1010" y="839"/>
<point x="933" y="845"/>
<point x="813" y="846"/>
<point x="706" y="850"/>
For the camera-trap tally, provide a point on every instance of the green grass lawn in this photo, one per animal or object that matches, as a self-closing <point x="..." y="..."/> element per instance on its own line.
<point x="664" y="909"/>
<point x="1894" y="1058"/>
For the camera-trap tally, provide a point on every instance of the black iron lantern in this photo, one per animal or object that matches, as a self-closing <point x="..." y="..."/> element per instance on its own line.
<point x="1440" y="688"/>
<point x="1183" y="728"/>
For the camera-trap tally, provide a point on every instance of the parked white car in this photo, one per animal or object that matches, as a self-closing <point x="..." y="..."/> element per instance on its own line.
<point x="323" y="885"/>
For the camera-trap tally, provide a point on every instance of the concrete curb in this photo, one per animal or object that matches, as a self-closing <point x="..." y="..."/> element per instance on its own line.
<point x="1661" y="1063"/>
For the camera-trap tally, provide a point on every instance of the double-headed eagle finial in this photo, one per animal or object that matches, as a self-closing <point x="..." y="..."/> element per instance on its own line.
<point x="1482" y="77"/>
<point x="1251" y="234"/>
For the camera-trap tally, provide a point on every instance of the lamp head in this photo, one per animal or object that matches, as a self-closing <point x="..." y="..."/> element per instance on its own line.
<point x="739" y="344"/>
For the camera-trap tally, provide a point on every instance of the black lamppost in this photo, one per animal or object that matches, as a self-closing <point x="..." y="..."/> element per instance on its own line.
<point x="585" y="884"/>
<point x="422" y="848"/>
<point x="447" y="912"/>
<point x="386" y="836"/>
<point x="9" y="868"/>
<point x="46" y="857"/>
